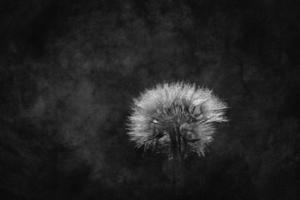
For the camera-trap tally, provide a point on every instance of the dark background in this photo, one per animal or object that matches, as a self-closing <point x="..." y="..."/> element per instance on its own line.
<point x="69" y="70"/>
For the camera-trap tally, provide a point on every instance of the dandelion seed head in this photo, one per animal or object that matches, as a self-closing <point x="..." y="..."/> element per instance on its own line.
<point x="176" y="116"/>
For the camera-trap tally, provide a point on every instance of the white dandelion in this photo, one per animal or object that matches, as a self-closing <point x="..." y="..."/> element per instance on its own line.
<point x="176" y="118"/>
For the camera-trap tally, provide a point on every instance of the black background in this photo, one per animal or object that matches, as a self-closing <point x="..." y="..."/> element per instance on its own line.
<point x="69" y="70"/>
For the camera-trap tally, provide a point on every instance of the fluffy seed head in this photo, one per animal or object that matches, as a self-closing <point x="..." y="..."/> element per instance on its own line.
<point x="175" y="118"/>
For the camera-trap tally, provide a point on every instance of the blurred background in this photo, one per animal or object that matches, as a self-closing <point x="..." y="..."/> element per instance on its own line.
<point x="69" y="70"/>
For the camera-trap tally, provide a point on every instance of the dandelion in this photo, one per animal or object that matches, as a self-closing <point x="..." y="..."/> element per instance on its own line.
<point x="175" y="118"/>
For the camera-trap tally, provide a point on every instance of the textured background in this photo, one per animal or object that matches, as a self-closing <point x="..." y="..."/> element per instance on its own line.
<point x="69" y="70"/>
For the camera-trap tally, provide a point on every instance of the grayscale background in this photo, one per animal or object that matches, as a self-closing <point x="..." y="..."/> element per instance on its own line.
<point x="69" y="70"/>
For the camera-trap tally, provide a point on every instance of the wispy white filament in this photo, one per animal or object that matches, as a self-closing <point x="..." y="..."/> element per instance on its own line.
<point x="188" y="110"/>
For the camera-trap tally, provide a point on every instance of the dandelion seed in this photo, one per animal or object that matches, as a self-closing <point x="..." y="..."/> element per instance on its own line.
<point x="175" y="118"/>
